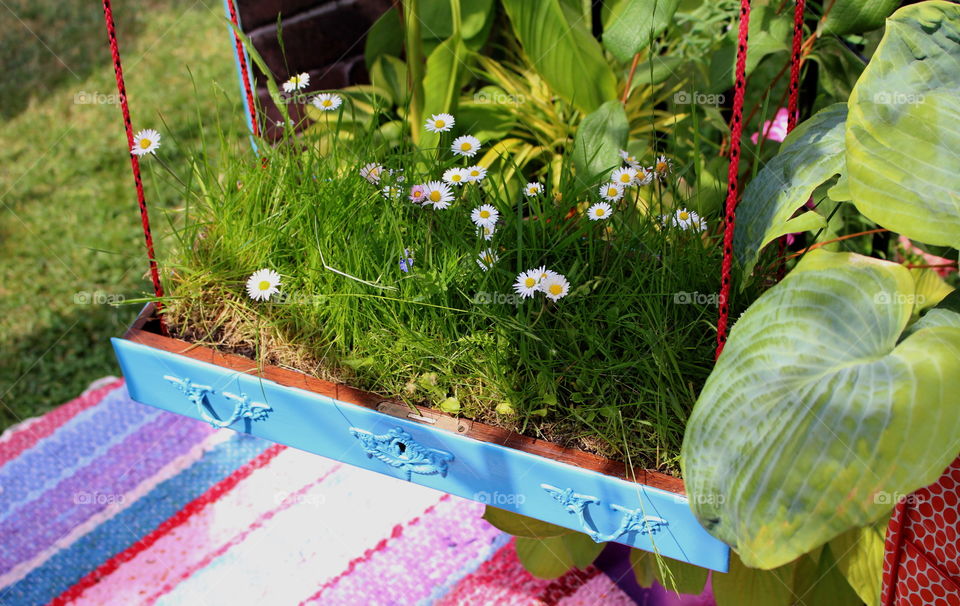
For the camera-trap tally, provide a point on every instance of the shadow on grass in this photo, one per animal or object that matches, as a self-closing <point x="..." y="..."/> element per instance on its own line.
<point x="55" y="364"/>
<point x="50" y="48"/>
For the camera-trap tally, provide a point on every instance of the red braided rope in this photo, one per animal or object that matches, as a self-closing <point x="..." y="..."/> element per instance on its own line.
<point x="244" y="71"/>
<point x="134" y="160"/>
<point x="793" y="114"/>
<point x="792" y="111"/>
<point x="736" y="131"/>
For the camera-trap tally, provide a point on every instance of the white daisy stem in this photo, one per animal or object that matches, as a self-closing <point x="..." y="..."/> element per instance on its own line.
<point x="170" y="170"/>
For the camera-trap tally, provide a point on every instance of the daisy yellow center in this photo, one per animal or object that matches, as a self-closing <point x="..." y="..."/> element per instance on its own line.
<point x="474" y="173"/>
<point x="264" y="285"/>
<point x="556" y="289"/>
<point x="327" y="102"/>
<point x="529" y="282"/>
<point x="600" y="212"/>
<point x="612" y="191"/>
<point x="625" y="177"/>
<point x="439" y="123"/>
<point x="684" y="215"/>
<point x="484" y="214"/>
<point x="488" y="258"/>
<point x="631" y="159"/>
<point x="435" y="196"/>
<point x="455" y="177"/>
<point x="145" y="143"/>
<point x="661" y="167"/>
<point x="465" y="146"/>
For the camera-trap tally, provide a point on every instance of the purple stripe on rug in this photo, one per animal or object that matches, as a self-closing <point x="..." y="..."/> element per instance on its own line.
<point x="432" y="548"/>
<point x="72" y="446"/>
<point x="101" y="484"/>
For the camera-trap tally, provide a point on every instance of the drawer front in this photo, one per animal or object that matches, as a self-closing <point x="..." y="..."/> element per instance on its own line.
<point x="604" y="507"/>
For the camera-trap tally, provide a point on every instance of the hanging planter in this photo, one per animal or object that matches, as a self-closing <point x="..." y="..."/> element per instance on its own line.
<point x="569" y="488"/>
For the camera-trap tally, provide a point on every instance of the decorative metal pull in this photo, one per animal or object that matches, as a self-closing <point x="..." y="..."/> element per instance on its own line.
<point x="633" y="520"/>
<point x="398" y="449"/>
<point x="243" y="408"/>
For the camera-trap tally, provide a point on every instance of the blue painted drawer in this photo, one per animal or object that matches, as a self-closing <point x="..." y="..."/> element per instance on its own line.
<point x="231" y="395"/>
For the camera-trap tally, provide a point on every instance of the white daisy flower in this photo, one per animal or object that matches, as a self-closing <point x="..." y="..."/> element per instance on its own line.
<point x="486" y="259"/>
<point x="624" y="176"/>
<point x="391" y="192"/>
<point x="527" y="283"/>
<point x="371" y="172"/>
<point x="599" y="211"/>
<point x="485" y="216"/>
<point x="467" y="145"/>
<point x="533" y="188"/>
<point x="486" y="231"/>
<point x="611" y="192"/>
<point x="688" y="219"/>
<point x="145" y="142"/>
<point x="440" y="123"/>
<point x="327" y="102"/>
<point x="456" y="176"/>
<point x="476" y="173"/>
<point x="298" y="82"/>
<point x="542" y="273"/>
<point x="629" y="159"/>
<point x="555" y="287"/>
<point x="644" y="176"/>
<point x="262" y="284"/>
<point x="438" y="194"/>
<point x="662" y="168"/>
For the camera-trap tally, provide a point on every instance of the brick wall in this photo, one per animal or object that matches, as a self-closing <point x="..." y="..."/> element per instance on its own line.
<point x="324" y="38"/>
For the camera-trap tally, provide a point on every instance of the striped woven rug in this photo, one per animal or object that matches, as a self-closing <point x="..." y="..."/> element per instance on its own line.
<point x="106" y="501"/>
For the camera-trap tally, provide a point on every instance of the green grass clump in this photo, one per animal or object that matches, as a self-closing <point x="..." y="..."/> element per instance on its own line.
<point x="614" y="366"/>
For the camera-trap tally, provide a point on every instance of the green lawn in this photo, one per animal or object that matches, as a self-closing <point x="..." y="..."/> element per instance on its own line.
<point x="69" y="222"/>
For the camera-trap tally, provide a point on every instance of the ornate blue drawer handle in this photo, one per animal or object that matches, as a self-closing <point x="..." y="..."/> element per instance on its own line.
<point x="398" y="449"/>
<point x="243" y="408"/>
<point x="633" y="519"/>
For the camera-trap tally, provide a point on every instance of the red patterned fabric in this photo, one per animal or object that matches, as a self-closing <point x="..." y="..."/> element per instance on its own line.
<point x="921" y="565"/>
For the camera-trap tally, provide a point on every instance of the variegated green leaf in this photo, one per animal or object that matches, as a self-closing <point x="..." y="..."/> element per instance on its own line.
<point x="600" y="136"/>
<point x="816" y="413"/>
<point x="902" y="135"/>
<point x="808" y="157"/>
<point x="636" y="25"/>
<point x="565" y="54"/>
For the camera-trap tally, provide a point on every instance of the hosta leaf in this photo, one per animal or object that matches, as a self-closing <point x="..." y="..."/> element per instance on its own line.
<point x="815" y="410"/>
<point x="565" y="54"/>
<point x="522" y="526"/>
<point x="600" y="136"/>
<point x="859" y="556"/>
<point x="744" y="586"/>
<point x="808" y="157"/>
<point x="902" y="136"/>
<point x="441" y="84"/>
<point x="385" y="38"/>
<point x="678" y="576"/>
<point x="582" y="549"/>
<point x="930" y="287"/>
<point x="857" y="16"/>
<point x="544" y="558"/>
<point x="637" y="23"/>
<point x="644" y="567"/>
<point x="819" y="581"/>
